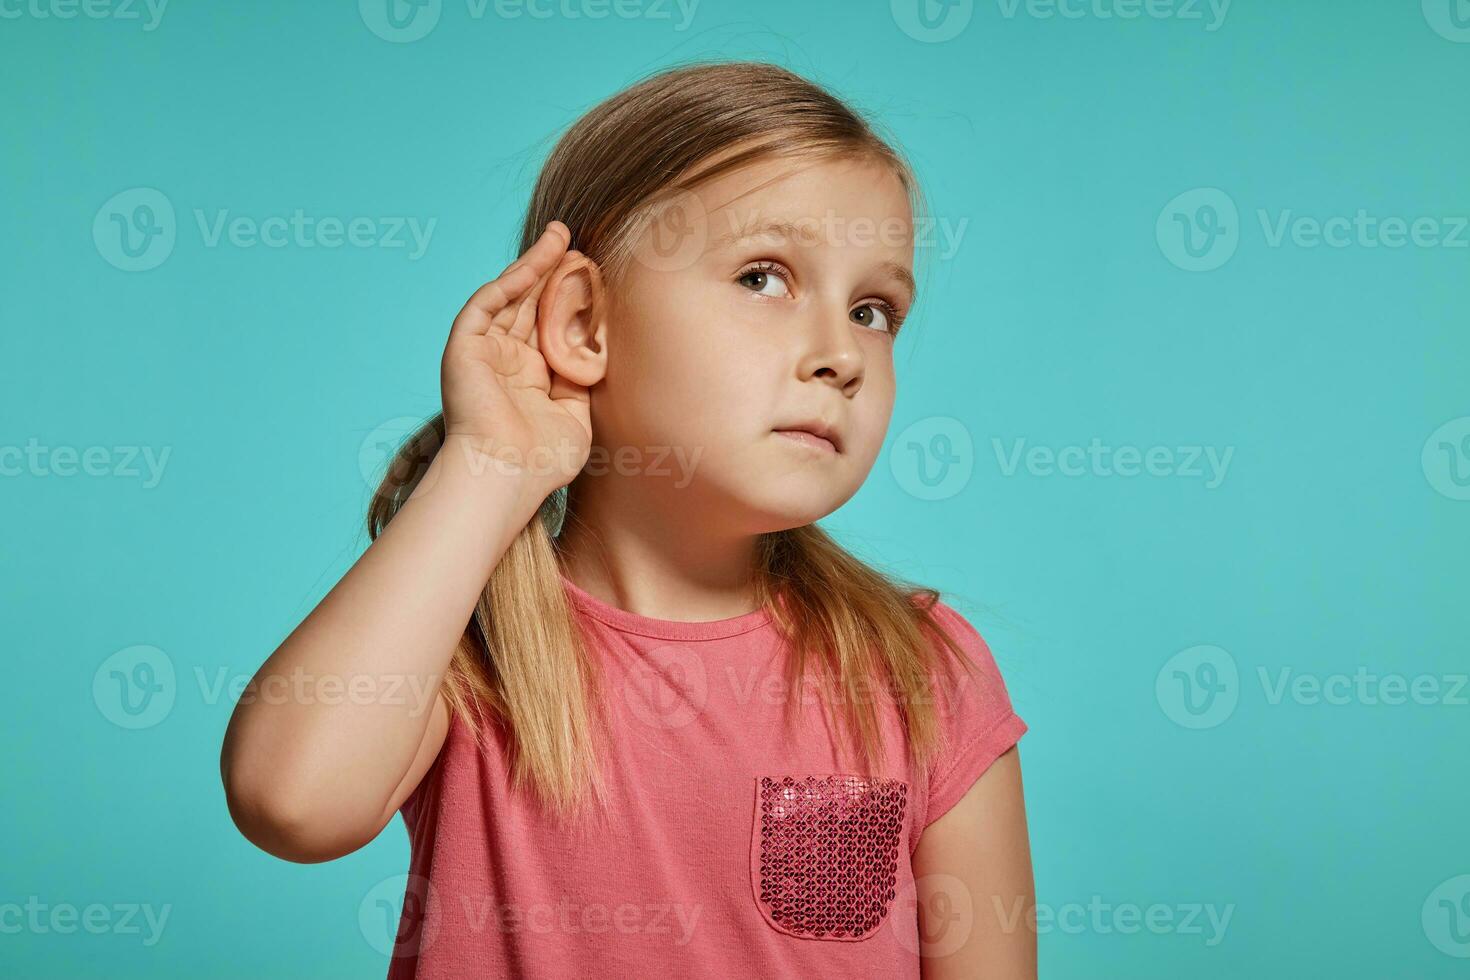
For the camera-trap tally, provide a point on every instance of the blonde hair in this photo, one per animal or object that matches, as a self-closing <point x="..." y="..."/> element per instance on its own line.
<point x="522" y="663"/>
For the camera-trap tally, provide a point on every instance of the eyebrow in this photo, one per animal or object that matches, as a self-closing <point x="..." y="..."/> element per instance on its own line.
<point x="789" y="231"/>
<point x="905" y="277"/>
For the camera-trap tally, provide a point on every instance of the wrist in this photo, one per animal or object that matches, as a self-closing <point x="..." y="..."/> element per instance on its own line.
<point x="466" y="464"/>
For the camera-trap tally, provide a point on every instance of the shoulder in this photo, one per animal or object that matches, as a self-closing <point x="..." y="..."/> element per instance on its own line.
<point x="977" y="719"/>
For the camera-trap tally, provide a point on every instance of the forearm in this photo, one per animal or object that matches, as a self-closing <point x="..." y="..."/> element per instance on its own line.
<point x="334" y="717"/>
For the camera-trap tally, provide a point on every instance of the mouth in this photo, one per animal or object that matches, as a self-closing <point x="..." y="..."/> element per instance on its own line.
<point x="814" y="434"/>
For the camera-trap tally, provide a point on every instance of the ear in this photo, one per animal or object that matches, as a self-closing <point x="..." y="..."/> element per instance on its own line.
<point x="571" y="320"/>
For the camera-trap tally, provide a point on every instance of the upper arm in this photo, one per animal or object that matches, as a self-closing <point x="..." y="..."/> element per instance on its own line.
<point x="975" y="891"/>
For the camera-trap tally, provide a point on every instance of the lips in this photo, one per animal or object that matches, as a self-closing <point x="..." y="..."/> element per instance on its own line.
<point x="816" y="428"/>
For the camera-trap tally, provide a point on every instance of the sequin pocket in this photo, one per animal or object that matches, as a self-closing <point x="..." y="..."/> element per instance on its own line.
<point x="825" y="851"/>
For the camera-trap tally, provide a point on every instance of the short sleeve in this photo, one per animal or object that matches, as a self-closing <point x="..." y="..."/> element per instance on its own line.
<point x="977" y="721"/>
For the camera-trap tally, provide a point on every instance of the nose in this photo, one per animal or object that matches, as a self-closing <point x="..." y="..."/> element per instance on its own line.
<point x="831" y="350"/>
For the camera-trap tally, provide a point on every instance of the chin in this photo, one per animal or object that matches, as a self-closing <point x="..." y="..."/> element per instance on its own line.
<point x="790" y="503"/>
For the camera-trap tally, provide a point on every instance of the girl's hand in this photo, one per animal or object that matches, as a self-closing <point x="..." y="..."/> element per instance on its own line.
<point x="500" y="397"/>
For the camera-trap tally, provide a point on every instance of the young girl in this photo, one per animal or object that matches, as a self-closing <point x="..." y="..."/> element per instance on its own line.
<point x="641" y="715"/>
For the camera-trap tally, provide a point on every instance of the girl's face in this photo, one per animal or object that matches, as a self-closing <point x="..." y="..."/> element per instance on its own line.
<point x="765" y="300"/>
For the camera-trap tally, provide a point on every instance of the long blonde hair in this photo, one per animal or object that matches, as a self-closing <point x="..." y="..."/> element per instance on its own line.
<point x="522" y="662"/>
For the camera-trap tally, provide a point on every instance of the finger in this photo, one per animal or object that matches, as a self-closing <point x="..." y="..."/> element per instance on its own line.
<point x="555" y="238"/>
<point x="480" y="309"/>
<point x="490" y="299"/>
<point x="523" y="323"/>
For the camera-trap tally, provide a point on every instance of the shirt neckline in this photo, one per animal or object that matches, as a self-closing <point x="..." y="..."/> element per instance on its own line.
<point x="663" y="629"/>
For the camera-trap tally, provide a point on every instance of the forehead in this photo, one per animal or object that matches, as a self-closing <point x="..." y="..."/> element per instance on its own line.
<point x="850" y="217"/>
<point x="800" y="197"/>
<point x="852" y="202"/>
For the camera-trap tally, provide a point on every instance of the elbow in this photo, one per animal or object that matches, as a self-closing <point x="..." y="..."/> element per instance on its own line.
<point x="287" y="825"/>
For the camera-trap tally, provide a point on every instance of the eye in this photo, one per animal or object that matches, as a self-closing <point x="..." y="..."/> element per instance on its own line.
<point x="879" y="314"/>
<point x="762" y="275"/>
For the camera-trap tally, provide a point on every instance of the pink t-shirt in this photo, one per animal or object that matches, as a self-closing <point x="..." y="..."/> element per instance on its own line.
<point x="736" y="846"/>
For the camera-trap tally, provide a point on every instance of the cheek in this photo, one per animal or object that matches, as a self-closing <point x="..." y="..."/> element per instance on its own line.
<point x="677" y="368"/>
<point x="873" y="406"/>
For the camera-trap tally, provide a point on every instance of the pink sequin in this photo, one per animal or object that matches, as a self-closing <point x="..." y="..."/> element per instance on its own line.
<point x="829" y="852"/>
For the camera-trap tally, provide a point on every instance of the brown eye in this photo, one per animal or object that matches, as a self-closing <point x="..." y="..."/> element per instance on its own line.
<point x="875" y="316"/>
<point x="759" y="278"/>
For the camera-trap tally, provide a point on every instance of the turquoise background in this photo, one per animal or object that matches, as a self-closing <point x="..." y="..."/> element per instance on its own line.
<point x="1335" y="833"/>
